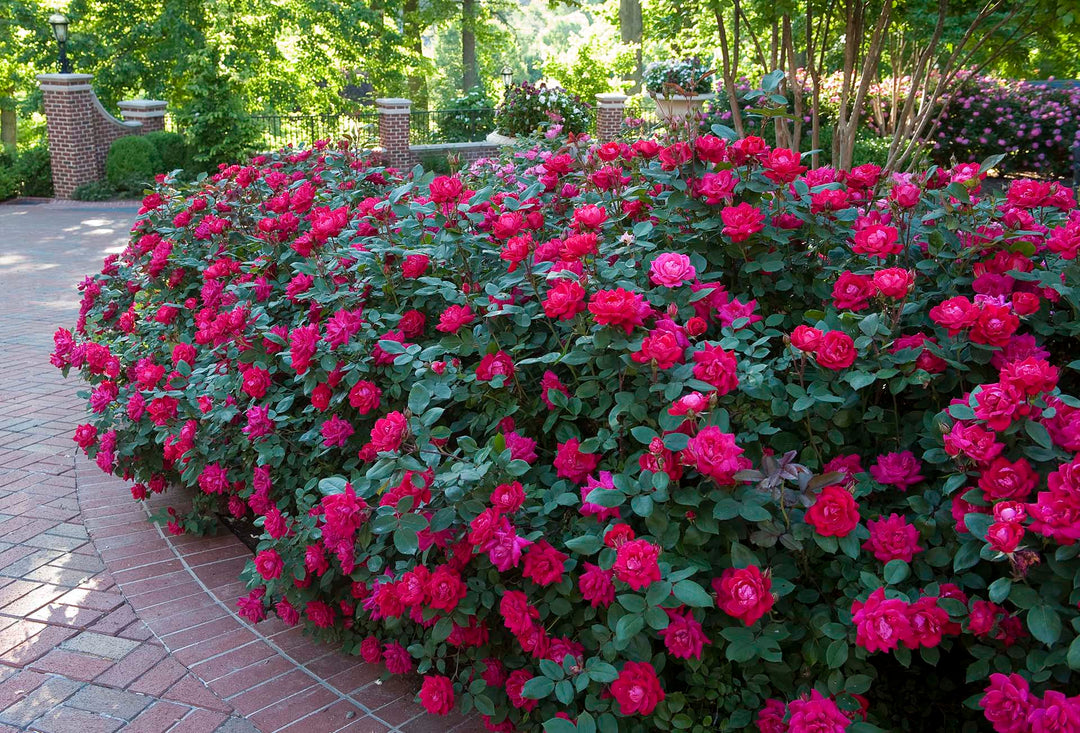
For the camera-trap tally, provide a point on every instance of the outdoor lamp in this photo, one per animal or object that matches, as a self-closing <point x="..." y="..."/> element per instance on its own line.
<point x="60" y="30"/>
<point x="507" y="76"/>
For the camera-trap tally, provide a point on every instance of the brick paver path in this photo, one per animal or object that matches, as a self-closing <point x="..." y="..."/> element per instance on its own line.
<point x="107" y="623"/>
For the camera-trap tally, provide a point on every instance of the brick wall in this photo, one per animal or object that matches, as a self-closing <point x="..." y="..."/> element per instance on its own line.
<point x="610" y="113"/>
<point x="81" y="130"/>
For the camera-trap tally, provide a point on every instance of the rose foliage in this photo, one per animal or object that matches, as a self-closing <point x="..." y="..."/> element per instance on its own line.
<point x="656" y="436"/>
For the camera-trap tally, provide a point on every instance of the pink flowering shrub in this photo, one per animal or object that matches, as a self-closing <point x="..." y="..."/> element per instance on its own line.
<point x="675" y="435"/>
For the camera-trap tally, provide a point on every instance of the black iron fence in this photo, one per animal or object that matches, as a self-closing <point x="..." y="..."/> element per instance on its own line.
<point x="279" y="130"/>
<point x="451" y="125"/>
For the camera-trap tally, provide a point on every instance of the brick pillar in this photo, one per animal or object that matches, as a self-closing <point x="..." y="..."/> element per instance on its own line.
<point x="150" y="112"/>
<point x="610" y="112"/>
<point x="70" y="121"/>
<point x="394" y="120"/>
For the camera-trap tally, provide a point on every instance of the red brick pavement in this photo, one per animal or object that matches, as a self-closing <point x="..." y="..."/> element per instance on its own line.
<point x="106" y="622"/>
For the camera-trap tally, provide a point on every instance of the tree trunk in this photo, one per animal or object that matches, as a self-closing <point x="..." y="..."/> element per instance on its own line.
<point x="417" y="81"/>
<point x="470" y="76"/>
<point x="8" y="134"/>
<point x="630" y="29"/>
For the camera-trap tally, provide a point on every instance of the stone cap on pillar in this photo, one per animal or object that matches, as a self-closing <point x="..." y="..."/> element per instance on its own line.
<point x="613" y="100"/>
<point x="393" y="106"/>
<point x="142" y="109"/>
<point x="64" y="82"/>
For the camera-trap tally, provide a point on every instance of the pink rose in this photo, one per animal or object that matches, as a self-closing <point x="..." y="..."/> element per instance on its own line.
<point x="671" y="269"/>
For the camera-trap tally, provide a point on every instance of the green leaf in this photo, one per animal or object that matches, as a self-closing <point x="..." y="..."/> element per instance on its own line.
<point x="1039" y="434"/>
<point x="1045" y="624"/>
<point x="442" y="629"/>
<point x="837" y="653"/>
<point x="692" y="594"/>
<point x="1072" y="658"/>
<point x="742" y="556"/>
<point x="858" y="380"/>
<point x="405" y="541"/>
<point x="537" y="688"/>
<point x="559" y="725"/>
<point x="586" y="545"/>
<point x="419" y="397"/>
<point x="896" y="571"/>
<point x="643" y="434"/>
<point x="629" y="626"/>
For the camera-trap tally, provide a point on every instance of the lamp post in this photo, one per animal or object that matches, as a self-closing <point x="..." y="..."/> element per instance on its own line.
<point x="60" y="31"/>
<point x="507" y="77"/>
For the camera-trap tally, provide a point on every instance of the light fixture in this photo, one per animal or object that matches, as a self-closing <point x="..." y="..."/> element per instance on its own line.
<point x="507" y="77"/>
<point x="60" y="31"/>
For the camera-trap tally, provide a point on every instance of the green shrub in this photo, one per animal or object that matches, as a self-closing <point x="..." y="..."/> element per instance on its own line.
<point x="436" y="163"/>
<point x="96" y="191"/>
<point x="9" y="183"/>
<point x="131" y="163"/>
<point x="34" y="171"/>
<point x="172" y="148"/>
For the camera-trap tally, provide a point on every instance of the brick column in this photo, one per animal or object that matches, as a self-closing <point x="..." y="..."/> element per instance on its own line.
<point x="394" y="121"/>
<point x="150" y="112"/>
<point x="610" y="113"/>
<point x="70" y="121"/>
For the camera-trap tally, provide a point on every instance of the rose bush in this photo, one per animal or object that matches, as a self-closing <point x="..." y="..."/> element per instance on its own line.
<point x="670" y="435"/>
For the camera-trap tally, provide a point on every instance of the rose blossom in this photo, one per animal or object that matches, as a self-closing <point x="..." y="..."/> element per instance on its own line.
<point x="637" y="689"/>
<point x="834" y="513"/>
<point x="636" y="563"/>
<point x="744" y="593"/>
<point x="437" y="694"/>
<point x="892" y="538"/>
<point x="671" y="269"/>
<point x="683" y="635"/>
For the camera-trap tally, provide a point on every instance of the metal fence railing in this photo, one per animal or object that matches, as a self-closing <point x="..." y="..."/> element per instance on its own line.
<point x="451" y="125"/>
<point x="276" y="131"/>
<point x="279" y="130"/>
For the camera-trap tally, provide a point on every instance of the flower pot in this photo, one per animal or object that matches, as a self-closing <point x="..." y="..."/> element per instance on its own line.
<point x="680" y="107"/>
<point x="496" y="139"/>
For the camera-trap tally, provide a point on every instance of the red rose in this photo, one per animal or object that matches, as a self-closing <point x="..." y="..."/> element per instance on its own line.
<point x="836" y="351"/>
<point x="1005" y="536"/>
<point x="508" y="498"/>
<point x="414" y="266"/>
<point x="454" y="318"/>
<point x="445" y="588"/>
<point x="852" y="292"/>
<point x="683" y="636"/>
<point x="662" y="348"/>
<point x="716" y="366"/>
<point x="744" y="593"/>
<point x="742" y="221"/>
<point x="256" y="382"/>
<point x="543" y="564"/>
<point x="445" y="188"/>
<point x="571" y="463"/>
<point x="881" y="624"/>
<point x="365" y="396"/>
<point x="437" y="694"/>
<point x="805" y="338"/>
<point x="894" y="282"/>
<point x="892" y="538"/>
<point x="834" y="513"/>
<point x="1003" y="479"/>
<point x="994" y="325"/>
<point x="564" y="300"/>
<point x="955" y="314"/>
<point x="637" y="689"/>
<point x="636" y="563"/>
<point x="596" y="586"/>
<point x="619" y="307"/>
<point x="877" y="240"/>
<point x="495" y="365"/>
<point x="783" y="165"/>
<point x="388" y="432"/>
<point x="714" y="454"/>
<point x="269" y="564"/>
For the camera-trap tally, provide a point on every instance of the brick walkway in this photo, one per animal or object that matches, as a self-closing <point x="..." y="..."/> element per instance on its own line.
<point x="106" y="623"/>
